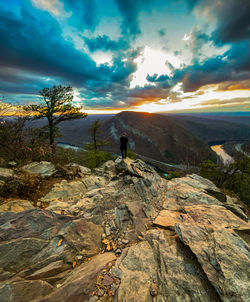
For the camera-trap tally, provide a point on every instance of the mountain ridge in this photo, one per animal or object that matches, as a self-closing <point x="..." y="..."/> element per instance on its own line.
<point x="156" y="136"/>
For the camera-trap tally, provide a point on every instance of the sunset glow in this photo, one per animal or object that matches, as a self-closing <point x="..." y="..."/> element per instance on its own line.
<point x="128" y="55"/>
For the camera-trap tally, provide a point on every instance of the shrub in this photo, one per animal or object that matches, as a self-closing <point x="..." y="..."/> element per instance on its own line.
<point x="131" y="154"/>
<point x="235" y="177"/>
<point x="65" y="156"/>
<point x="94" y="159"/>
<point x="174" y="174"/>
<point x="25" y="186"/>
<point x="210" y="170"/>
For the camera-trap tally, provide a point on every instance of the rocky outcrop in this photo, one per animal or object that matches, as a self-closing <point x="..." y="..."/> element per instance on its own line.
<point x="161" y="268"/>
<point x="23" y="291"/>
<point x="37" y="244"/>
<point x="123" y="233"/>
<point x="43" y="168"/>
<point x="6" y="174"/>
<point x="16" y="206"/>
<point x="80" y="284"/>
<point x="224" y="257"/>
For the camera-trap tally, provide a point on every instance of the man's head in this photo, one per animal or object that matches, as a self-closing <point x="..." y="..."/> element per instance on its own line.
<point x="124" y="134"/>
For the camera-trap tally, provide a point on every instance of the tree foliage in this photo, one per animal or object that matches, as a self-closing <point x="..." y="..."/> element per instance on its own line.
<point x="96" y="143"/>
<point x="95" y="159"/>
<point x="22" y="144"/>
<point x="56" y="108"/>
<point x="235" y="177"/>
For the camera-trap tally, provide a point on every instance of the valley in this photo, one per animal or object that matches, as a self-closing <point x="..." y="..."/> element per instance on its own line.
<point x="170" y="138"/>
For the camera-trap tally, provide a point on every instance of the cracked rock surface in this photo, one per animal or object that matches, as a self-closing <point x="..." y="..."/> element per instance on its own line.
<point x="123" y="233"/>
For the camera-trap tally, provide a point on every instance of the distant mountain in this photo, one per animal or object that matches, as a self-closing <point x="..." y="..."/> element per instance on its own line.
<point x="246" y="147"/>
<point x="74" y="132"/>
<point x="215" y="128"/>
<point x="157" y="136"/>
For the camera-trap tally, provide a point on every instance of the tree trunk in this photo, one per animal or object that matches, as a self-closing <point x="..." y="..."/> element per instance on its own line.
<point x="94" y="137"/>
<point x="52" y="137"/>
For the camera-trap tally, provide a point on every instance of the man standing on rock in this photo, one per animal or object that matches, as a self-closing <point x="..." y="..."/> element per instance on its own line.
<point x="124" y="142"/>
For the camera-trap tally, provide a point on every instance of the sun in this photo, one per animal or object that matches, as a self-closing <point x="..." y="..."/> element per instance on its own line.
<point x="150" y="62"/>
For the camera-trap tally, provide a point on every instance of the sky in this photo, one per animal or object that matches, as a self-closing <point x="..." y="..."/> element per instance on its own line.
<point x="140" y="55"/>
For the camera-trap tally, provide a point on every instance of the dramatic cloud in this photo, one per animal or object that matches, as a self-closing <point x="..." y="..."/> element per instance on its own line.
<point x="84" y="13"/>
<point x="105" y="43"/>
<point x="35" y="55"/>
<point x="157" y="78"/>
<point x="233" y="21"/>
<point x="34" y="43"/>
<point x="234" y="65"/>
<point x="231" y="17"/>
<point x="49" y="42"/>
<point x="130" y="10"/>
<point x="231" y="85"/>
<point x="55" y="7"/>
<point x="195" y="40"/>
<point x="234" y="101"/>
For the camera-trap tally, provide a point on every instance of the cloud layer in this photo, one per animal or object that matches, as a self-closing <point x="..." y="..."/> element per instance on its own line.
<point x="44" y="43"/>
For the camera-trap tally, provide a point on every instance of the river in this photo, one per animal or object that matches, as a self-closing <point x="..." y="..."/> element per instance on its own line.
<point x="226" y="158"/>
<point x="67" y="146"/>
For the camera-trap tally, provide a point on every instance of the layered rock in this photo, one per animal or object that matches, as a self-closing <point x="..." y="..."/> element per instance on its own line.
<point x="123" y="233"/>
<point x="43" y="168"/>
<point x="6" y="174"/>
<point x="224" y="257"/>
<point x="17" y="205"/>
<point x="42" y="245"/>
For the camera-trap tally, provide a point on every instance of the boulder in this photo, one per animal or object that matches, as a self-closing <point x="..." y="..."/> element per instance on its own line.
<point x="79" y="285"/>
<point x="224" y="257"/>
<point x="213" y="215"/>
<point x="167" y="218"/>
<point x="83" y="171"/>
<point x="24" y="291"/>
<point x="189" y="190"/>
<point x="67" y="193"/>
<point x="64" y="194"/>
<point x="6" y="174"/>
<point x="16" y="206"/>
<point x="43" y="168"/>
<point x="161" y="268"/>
<point x="52" y="269"/>
<point x="12" y="164"/>
<point x="244" y="232"/>
<point x="41" y="243"/>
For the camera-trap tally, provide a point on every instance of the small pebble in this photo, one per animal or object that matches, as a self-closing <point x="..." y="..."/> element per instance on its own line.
<point x="153" y="289"/>
<point x="100" y="293"/>
<point x="107" y="280"/>
<point x="107" y="230"/>
<point x="118" y="251"/>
